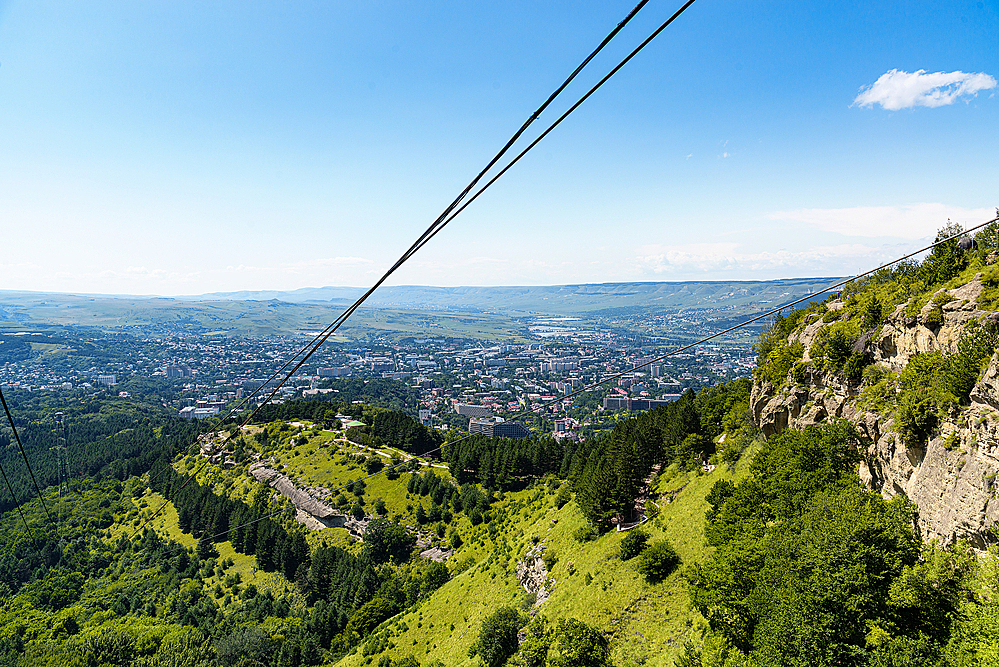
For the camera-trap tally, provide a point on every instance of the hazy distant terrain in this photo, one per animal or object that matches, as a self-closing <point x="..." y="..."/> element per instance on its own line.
<point x="474" y="312"/>
<point x="551" y="299"/>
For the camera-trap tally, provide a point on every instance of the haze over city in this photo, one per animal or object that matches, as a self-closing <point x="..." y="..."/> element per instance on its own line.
<point x="182" y="148"/>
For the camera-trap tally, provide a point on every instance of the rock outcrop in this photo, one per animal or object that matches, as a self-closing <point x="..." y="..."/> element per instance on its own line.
<point x="951" y="478"/>
<point x="439" y="554"/>
<point x="533" y="575"/>
<point x="310" y="511"/>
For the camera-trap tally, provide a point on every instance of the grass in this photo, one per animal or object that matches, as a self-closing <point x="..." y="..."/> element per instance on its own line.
<point x="647" y="624"/>
<point x="165" y="524"/>
<point x="446" y="624"/>
<point x="333" y="466"/>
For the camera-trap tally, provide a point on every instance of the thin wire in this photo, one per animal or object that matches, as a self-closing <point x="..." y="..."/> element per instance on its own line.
<point x="774" y="311"/>
<point x="447" y="216"/>
<point x="635" y="368"/>
<point x="442" y="220"/>
<point x="441" y="223"/>
<point x="561" y="118"/>
<point x="323" y="335"/>
<point x="31" y="533"/>
<point x="23" y="455"/>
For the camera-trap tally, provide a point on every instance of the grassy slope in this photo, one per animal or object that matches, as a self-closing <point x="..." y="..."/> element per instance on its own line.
<point x="646" y="624"/>
<point x="165" y="524"/>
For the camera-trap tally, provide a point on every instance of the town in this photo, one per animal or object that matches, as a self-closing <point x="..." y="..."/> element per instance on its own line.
<point x="451" y="383"/>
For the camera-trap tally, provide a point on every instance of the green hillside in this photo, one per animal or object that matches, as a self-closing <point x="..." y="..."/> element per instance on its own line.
<point x="737" y="550"/>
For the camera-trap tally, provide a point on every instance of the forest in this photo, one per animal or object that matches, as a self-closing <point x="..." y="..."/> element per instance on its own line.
<point x="798" y="563"/>
<point x="110" y="584"/>
<point x="104" y="438"/>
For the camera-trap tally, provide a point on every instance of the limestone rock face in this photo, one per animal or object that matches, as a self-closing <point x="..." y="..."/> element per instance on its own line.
<point x="903" y="337"/>
<point x="309" y="511"/>
<point x="533" y="575"/>
<point x="952" y="478"/>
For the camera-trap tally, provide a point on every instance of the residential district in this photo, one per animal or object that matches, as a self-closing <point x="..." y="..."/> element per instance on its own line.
<point x="450" y="383"/>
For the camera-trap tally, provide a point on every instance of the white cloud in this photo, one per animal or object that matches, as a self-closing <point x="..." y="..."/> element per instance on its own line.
<point x="723" y="258"/>
<point x="912" y="221"/>
<point x="896" y="90"/>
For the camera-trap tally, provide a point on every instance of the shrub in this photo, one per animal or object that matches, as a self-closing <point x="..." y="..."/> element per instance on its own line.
<point x="549" y="559"/>
<point x="934" y="317"/>
<point x="586" y="533"/>
<point x="576" y="644"/>
<point x="498" y="636"/>
<point x="633" y="543"/>
<point x="946" y="260"/>
<point x="779" y="361"/>
<point x="658" y="561"/>
<point x="371" y="614"/>
<point x="855" y="365"/>
<point x="563" y="496"/>
<point x="385" y="540"/>
<point x="874" y="312"/>
<point x="434" y="577"/>
<point x="834" y="345"/>
<point x="915" y="418"/>
<point x="974" y="350"/>
<point x="880" y="393"/>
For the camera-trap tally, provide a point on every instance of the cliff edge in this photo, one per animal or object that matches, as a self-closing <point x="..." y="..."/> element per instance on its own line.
<point x="919" y="380"/>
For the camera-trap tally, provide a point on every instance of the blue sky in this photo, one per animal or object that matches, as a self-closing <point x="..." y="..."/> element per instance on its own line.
<point x="183" y="147"/>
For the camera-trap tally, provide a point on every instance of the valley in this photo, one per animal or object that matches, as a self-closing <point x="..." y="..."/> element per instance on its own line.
<point x="841" y="498"/>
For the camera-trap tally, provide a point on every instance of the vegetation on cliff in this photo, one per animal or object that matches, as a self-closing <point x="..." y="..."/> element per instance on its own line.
<point x="843" y="331"/>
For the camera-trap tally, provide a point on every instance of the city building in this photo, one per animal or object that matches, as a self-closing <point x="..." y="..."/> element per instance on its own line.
<point x="616" y="402"/>
<point x="636" y="404"/>
<point x="510" y="430"/>
<point x="467" y="410"/>
<point x="559" y="366"/>
<point x="192" y="412"/>
<point x="498" y="428"/>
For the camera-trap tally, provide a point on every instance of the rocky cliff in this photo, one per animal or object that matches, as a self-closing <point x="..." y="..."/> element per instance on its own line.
<point x="950" y="475"/>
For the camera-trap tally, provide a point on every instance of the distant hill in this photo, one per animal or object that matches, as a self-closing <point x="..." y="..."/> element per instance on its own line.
<point x="474" y="312"/>
<point x="550" y="299"/>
